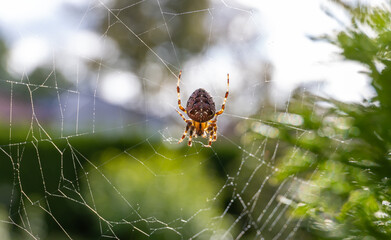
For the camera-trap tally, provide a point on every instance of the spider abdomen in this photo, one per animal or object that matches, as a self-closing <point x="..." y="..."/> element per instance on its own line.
<point x="200" y="106"/>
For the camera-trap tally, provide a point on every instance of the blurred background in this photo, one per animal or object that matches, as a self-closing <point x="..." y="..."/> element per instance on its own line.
<point x="89" y="129"/>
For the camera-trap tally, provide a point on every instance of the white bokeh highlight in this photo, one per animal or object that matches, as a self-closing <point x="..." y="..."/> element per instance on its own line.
<point x="119" y="87"/>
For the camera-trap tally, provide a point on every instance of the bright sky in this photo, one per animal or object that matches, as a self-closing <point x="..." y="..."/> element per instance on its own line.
<point x="297" y="59"/>
<point x="36" y="29"/>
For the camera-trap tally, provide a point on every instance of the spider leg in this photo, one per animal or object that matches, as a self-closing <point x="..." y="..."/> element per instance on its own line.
<point x="210" y="132"/>
<point x="205" y="134"/>
<point x="178" y="90"/>
<point x="191" y="135"/>
<point x="213" y="130"/>
<point x="225" y="98"/>
<point x="210" y="139"/>
<point x="214" y="133"/>
<point x="183" y="117"/>
<point x="188" y="125"/>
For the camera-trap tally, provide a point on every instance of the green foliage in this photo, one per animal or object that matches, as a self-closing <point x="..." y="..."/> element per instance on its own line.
<point x="156" y="190"/>
<point x="343" y="149"/>
<point x="142" y="189"/>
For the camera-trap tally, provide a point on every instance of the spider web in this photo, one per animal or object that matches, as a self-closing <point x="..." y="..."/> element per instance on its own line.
<point x="77" y="164"/>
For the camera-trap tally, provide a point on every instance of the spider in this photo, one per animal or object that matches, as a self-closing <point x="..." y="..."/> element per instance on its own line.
<point x="201" y="109"/>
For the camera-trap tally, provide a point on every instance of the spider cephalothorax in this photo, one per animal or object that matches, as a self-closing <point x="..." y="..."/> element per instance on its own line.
<point x="201" y="109"/>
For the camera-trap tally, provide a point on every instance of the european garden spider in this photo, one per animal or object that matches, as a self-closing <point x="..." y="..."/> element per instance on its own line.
<point x="201" y="109"/>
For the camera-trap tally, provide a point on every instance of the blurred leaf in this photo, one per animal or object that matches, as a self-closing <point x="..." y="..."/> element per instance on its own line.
<point x="342" y="149"/>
